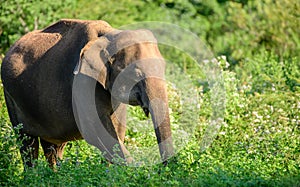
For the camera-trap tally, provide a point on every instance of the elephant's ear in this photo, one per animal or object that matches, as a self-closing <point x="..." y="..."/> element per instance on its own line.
<point x="93" y="61"/>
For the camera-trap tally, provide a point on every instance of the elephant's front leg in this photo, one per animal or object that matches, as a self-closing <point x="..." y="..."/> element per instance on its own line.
<point x="107" y="147"/>
<point x="118" y="119"/>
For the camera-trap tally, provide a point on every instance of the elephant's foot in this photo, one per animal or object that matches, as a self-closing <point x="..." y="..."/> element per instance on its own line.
<point x="52" y="152"/>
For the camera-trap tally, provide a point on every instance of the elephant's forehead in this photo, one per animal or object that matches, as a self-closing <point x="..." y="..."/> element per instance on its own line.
<point x="151" y="67"/>
<point x="128" y="38"/>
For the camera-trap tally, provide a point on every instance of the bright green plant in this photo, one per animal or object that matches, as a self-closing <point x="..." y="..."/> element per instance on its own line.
<point x="18" y="17"/>
<point x="265" y="72"/>
<point x="270" y="25"/>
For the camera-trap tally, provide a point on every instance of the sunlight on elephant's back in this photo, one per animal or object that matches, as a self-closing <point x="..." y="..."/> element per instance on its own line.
<point x="24" y="51"/>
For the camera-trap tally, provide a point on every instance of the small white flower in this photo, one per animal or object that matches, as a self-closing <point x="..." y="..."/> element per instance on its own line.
<point x="273" y="87"/>
<point x="223" y="57"/>
<point x="271" y="108"/>
<point x="225" y="124"/>
<point x="267" y="131"/>
<point x="206" y="61"/>
<point x="256" y="121"/>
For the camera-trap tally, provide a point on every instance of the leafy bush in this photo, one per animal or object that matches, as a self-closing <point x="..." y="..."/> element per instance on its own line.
<point x="265" y="72"/>
<point x="21" y="16"/>
<point x="270" y="25"/>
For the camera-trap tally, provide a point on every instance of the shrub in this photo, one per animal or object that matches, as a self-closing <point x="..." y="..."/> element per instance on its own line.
<point x="265" y="72"/>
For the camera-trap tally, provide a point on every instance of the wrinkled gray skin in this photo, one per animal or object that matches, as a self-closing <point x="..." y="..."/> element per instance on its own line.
<point x="38" y="78"/>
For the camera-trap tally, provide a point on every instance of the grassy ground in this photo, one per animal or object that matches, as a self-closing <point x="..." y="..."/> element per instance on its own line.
<point x="257" y="144"/>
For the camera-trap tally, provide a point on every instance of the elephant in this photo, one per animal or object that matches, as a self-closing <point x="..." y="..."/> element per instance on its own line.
<point x="54" y="78"/>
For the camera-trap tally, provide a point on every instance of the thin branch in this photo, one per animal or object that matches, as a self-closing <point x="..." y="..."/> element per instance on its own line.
<point x="36" y="23"/>
<point x="23" y="23"/>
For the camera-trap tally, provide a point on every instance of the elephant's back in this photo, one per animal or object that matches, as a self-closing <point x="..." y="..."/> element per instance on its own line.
<point x="59" y="43"/>
<point x="26" y="52"/>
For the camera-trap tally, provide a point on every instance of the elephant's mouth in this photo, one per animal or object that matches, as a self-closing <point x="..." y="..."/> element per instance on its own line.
<point x="146" y="111"/>
<point x="141" y="103"/>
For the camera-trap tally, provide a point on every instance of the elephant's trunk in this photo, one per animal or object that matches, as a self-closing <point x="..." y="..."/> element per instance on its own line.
<point x="158" y="106"/>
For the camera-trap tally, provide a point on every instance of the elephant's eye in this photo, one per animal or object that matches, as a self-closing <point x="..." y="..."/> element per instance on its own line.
<point x="138" y="72"/>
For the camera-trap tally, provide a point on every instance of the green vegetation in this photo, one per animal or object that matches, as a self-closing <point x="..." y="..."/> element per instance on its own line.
<point x="258" y="143"/>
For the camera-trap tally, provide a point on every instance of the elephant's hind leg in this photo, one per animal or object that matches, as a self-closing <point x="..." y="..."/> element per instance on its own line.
<point x="52" y="152"/>
<point x="30" y="144"/>
<point x="30" y="149"/>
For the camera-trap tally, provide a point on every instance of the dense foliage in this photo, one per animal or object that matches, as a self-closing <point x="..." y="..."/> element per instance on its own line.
<point x="259" y="140"/>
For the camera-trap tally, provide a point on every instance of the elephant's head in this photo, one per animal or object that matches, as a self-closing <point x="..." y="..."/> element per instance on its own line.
<point x="129" y="65"/>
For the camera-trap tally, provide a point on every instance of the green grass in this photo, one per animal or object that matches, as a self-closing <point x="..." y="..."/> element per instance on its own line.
<point x="257" y="145"/>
